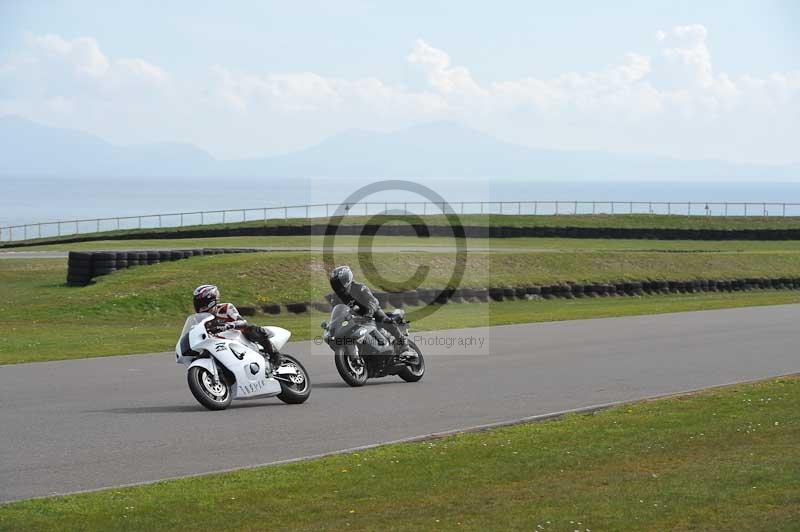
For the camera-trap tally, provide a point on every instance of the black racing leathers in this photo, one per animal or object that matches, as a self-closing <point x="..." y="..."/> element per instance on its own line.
<point x="364" y="303"/>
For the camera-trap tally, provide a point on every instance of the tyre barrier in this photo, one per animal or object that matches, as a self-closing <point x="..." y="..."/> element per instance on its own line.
<point x="271" y="308"/>
<point x="560" y="291"/>
<point x="297" y="308"/>
<point x="84" y="266"/>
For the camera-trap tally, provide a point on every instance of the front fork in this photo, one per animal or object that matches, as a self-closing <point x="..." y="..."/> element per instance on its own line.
<point x="214" y="371"/>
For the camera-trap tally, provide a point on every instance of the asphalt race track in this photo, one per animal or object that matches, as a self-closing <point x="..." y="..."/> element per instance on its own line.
<point x="93" y="423"/>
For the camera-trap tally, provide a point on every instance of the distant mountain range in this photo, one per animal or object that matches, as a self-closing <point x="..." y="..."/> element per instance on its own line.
<point x="438" y="150"/>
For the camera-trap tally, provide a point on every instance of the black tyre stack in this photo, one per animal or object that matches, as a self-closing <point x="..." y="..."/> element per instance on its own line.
<point x="104" y="262"/>
<point x="79" y="268"/>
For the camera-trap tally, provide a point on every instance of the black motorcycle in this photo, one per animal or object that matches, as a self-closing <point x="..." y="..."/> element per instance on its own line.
<point x="365" y="350"/>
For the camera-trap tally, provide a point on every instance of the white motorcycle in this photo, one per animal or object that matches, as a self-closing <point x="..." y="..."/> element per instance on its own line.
<point x="223" y="366"/>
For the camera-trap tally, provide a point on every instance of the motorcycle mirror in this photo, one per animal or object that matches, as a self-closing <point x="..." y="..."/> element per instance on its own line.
<point x="324" y="324"/>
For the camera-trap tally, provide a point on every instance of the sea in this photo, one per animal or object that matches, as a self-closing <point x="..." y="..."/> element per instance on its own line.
<point x="32" y="200"/>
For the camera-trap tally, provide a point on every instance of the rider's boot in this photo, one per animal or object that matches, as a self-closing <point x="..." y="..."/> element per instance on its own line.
<point x="274" y="359"/>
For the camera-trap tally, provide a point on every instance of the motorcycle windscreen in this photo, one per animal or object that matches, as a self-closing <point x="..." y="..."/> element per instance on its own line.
<point x="193" y="320"/>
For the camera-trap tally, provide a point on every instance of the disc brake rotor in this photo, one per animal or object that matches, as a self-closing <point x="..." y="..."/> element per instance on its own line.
<point x="217" y="390"/>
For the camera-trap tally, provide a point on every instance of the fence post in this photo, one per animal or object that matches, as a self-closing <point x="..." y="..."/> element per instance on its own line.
<point x="140" y="222"/>
<point x="630" y="208"/>
<point x="159" y="221"/>
<point x="326" y="211"/>
<point x="726" y="209"/>
<point x="612" y="207"/>
<point x="689" y="209"/>
<point x="98" y="225"/>
<point x="745" y="209"/>
<point x="594" y="207"/>
<point x="25" y="232"/>
<point x="784" y="209"/>
<point x="202" y="218"/>
<point x="764" y="209"/>
<point x="223" y="216"/>
<point x="481" y="207"/>
<point x="40" y="225"/>
<point x="576" y="208"/>
<point x="556" y="213"/>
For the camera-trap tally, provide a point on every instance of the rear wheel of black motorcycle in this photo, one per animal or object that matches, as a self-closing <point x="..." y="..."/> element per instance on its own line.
<point x="417" y="371"/>
<point x="351" y="367"/>
<point x="296" y="392"/>
<point x="210" y="395"/>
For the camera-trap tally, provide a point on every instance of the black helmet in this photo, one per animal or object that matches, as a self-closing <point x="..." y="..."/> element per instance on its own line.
<point x="342" y="277"/>
<point x="205" y="297"/>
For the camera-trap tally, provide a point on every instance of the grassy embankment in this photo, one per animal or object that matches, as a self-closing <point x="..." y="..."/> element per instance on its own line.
<point x="724" y="459"/>
<point x="630" y="221"/>
<point x="478" y="244"/>
<point x="142" y="309"/>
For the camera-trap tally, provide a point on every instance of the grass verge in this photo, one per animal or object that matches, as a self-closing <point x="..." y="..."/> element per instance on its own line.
<point x="723" y="459"/>
<point x="142" y="309"/>
<point x="62" y="339"/>
<point x="517" y="244"/>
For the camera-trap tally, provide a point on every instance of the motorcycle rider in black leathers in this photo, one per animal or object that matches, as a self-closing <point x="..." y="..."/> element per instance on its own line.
<point x="360" y="297"/>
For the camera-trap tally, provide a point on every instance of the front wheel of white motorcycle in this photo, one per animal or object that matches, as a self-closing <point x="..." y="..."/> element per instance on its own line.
<point x="298" y="388"/>
<point x="214" y="396"/>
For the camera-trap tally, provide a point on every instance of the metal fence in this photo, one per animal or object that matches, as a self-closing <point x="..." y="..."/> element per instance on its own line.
<point x="325" y="210"/>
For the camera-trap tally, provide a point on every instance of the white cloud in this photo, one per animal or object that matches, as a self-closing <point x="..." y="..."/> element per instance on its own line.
<point x="446" y="79"/>
<point x="674" y="103"/>
<point x="58" y="68"/>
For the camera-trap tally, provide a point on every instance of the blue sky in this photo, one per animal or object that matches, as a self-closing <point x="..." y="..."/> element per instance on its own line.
<point x="249" y="78"/>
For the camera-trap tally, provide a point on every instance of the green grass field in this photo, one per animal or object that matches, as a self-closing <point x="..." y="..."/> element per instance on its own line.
<point x="722" y="460"/>
<point x="142" y="309"/>
<point x="633" y="221"/>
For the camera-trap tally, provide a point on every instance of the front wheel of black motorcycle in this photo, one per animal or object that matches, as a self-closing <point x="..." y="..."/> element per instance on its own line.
<point x="351" y="366"/>
<point x="414" y="372"/>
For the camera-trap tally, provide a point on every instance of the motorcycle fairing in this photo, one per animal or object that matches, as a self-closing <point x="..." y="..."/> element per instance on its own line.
<point x="246" y="364"/>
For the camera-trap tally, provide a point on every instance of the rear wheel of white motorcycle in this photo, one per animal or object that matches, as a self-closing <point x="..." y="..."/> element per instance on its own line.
<point x="413" y="373"/>
<point x="210" y="395"/>
<point x="351" y="366"/>
<point x="299" y="389"/>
